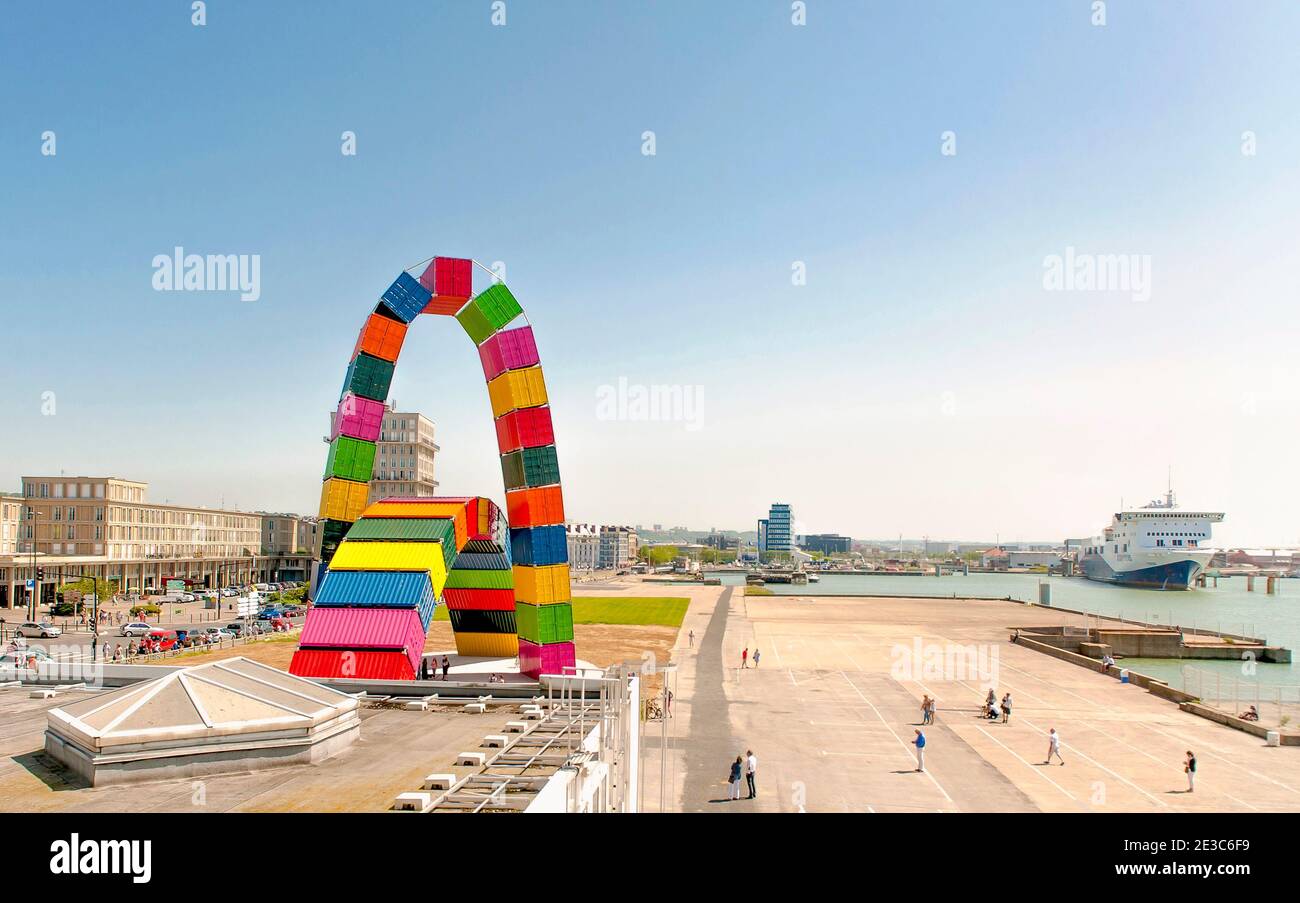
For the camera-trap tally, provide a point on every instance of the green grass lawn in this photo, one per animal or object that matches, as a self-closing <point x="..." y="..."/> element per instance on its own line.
<point x="661" y="611"/>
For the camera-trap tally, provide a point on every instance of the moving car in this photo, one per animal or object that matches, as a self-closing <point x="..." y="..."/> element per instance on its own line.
<point x="38" y="629"/>
<point x="135" y="628"/>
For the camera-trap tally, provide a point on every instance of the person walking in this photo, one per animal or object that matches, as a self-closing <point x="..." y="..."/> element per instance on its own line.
<point x="424" y="668"/>
<point x="734" y="791"/>
<point x="925" y="709"/>
<point x="1189" y="766"/>
<point x="690" y="637"/>
<point x="1053" y="747"/>
<point x="446" y="666"/>
<point x="1006" y="708"/>
<point x="756" y="654"/>
<point x="933" y="710"/>
<point x="919" y="743"/>
<point x="744" y="658"/>
<point x="751" y="769"/>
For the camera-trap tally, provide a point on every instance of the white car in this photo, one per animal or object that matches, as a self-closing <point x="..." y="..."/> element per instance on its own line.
<point x="39" y="630"/>
<point x="22" y="657"/>
<point x="135" y="628"/>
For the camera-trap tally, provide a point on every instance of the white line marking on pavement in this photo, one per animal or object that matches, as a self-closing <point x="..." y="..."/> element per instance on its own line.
<point x="1075" y="750"/>
<point x="910" y="756"/>
<point x="1029" y="765"/>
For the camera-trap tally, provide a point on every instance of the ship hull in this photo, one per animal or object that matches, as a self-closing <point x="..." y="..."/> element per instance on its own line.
<point x="1178" y="574"/>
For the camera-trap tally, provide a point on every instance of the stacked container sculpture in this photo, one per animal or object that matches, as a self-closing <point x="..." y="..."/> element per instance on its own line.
<point x="505" y="579"/>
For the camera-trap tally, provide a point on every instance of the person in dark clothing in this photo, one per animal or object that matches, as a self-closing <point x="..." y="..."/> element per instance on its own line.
<point x="446" y="666"/>
<point x="734" y="780"/>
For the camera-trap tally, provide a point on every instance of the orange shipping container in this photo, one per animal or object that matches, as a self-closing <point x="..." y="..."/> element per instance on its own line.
<point x="535" y="507"/>
<point x="381" y="337"/>
<point x="343" y="500"/>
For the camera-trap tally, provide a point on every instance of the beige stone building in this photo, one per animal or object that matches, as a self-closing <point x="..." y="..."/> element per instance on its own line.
<point x="105" y="527"/>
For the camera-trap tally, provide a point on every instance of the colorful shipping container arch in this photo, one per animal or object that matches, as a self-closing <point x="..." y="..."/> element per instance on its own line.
<point x="504" y="576"/>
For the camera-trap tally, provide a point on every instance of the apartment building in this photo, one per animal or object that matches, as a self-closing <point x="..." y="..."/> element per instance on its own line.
<point x="105" y="527"/>
<point x="617" y="549"/>
<point x="404" y="456"/>
<point x="584" y="546"/>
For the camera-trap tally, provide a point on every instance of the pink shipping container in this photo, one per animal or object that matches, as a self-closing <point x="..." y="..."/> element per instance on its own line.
<point x="359" y="418"/>
<point x="551" y="658"/>
<point x="397" y="629"/>
<point x="513" y="349"/>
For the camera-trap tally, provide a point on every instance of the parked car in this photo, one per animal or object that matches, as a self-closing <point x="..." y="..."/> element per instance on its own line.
<point x="38" y="629"/>
<point x="135" y="628"/>
<point x="239" y="628"/>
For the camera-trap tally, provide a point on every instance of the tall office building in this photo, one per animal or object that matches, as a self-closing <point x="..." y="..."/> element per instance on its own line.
<point x="404" y="456"/>
<point x="776" y="531"/>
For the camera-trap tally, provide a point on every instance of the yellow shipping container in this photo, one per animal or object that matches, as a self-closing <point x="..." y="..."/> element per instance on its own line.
<point x="517" y="389"/>
<point x="393" y="556"/>
<point x="453" y="510"/>
<point x="343" y="500"/>
<point x="542" y="585"/>
<point x="497" y="645"/>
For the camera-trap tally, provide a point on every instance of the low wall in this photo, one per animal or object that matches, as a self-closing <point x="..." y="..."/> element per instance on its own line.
<point x="1186" y="701"/>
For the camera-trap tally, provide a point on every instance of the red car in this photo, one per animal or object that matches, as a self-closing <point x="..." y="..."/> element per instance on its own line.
<point x="162" y="640"/>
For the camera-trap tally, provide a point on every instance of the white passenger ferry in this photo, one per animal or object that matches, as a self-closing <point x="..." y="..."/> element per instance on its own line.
<point x="1159" y="546"/>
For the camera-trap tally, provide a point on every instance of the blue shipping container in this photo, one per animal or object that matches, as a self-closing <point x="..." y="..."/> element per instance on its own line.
<point x="539" y="546"/>
<point x="368" y="589"/>
<point x="427" y="608"/>
<point x="406" y="298"/>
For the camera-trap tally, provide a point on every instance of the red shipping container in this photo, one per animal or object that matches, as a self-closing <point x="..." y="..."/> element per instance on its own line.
<point x="525" y="428"/>
<point x="381" y="337"/>
<point x="451" y="281"/>
<point x="349" y="663"/>
<point x="535" y="507"/>
<point x="479" y="599"/>
<point x="552" y="658"/>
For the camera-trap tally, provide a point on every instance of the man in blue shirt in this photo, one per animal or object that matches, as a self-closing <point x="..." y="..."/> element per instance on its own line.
<point x="920" y="751"/>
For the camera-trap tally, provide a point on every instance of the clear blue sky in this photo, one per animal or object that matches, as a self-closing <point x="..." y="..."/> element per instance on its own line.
<point x="921" y="382"/>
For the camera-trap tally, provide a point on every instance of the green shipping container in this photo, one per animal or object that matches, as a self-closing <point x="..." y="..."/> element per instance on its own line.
<point x="369" y="377"/>
<point x="351" y="459"/>
<point x="497" y="305"/>
<point x="458" y="578"/>
<point x="476" y="326"/>
<point x="530" y="467"/>
<point x="413" y="529"/>
<point x="544" y="624"/>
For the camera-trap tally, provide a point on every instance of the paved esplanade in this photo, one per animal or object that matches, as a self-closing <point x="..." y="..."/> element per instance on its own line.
<point x="832" y="727"/>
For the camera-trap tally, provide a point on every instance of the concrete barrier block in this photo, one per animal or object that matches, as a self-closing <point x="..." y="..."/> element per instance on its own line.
<point x="416" y="705"/>
<point x="485" y="699"/>
<point x="534" y="715"/>
<point x="1273" y="738"/>
<point x="475" y="759"/>
<point x="516" y="727"/>
<point x="474" y="708"/>
<point x="42" y="694"/>
<point x="493" y="741"/>
<point x="413" y="801"/>
<point x="439" y="781"/>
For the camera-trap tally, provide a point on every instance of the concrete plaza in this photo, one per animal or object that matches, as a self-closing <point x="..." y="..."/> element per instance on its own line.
<point x="832" y="722"/>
